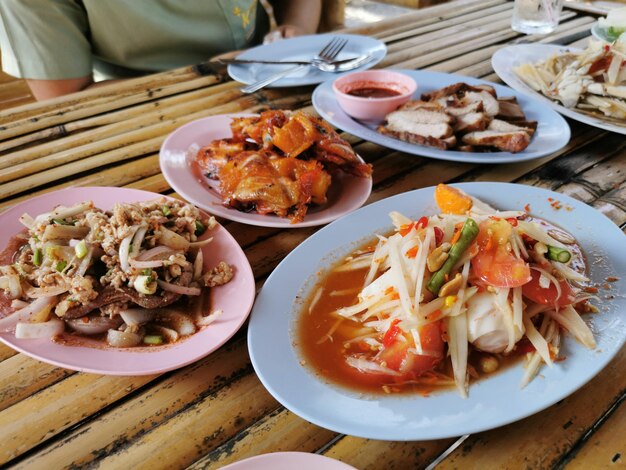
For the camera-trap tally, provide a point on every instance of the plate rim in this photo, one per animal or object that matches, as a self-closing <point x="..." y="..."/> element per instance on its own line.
<point x="245" y="269"/>
<point x="268" y="220"/>
<point x="234" y="69"/>
<point x="512" y="81"/>
<point x="297" y="409"/>
<point x="360" y="130"/>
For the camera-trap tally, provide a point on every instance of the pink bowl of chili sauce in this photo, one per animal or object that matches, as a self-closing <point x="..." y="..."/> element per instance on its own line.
<point x="372" y="94"/>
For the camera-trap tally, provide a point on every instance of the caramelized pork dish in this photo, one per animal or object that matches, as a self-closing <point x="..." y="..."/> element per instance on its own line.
<point x="279" y="162"/>
<point x="462" y="117"/>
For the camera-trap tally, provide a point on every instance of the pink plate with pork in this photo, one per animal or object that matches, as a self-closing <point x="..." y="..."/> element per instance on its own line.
<point x="177" y="159"/>
<point x="234" y="298"/>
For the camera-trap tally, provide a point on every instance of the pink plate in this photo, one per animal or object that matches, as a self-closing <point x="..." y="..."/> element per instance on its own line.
<point x="289" y="461"/>
<point x="234" y="298"/>
<point x="347" y="192"/>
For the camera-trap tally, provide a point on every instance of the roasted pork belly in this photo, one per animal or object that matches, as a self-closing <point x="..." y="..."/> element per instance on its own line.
<point x="506" y="141"/>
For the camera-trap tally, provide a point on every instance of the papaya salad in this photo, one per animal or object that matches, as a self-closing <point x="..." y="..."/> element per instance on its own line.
<point x="448" y="298"/>
<point x="132" y="276"/>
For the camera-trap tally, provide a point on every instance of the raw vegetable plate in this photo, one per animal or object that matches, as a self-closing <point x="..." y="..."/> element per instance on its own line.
<point x="177" y="160"/>
<point x="507" y="58"/>
<point x="234" y="298"/>
<point x="552" y="133"/>
<point x="493" y="401"/>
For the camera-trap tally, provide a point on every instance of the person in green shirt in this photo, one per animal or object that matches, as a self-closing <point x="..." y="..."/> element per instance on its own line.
<point x="57" y="45"/>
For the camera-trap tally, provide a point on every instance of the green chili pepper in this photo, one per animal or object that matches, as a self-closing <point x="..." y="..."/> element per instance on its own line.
<point x="558" y="254"/>
<point x="468" y="233"/>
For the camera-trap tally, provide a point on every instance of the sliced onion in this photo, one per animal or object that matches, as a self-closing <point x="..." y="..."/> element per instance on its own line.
<point x="49" y="291"/>
<point x="94" y="325"/>
<point x="84" y="264"/>
<point x="48" y="329"/>
<point x="201" y="243"/>
<point x="170" y="335"/>
<point x="8" y="323"/>
<point x="26" y="220"/>
<point x="157" y="263"/>
<point x="138" y="240"/>
<point x="197" y="265"/>
<point x="179" y="289"/>
<point x="17" y="304"/>
<point x="123" y="339"/>
<point x="124" y="251"/>
<point x="138" y="316"/>
<point x="211" y="317"/>
<point x="178" y="321"/>
<point x="154" y="252"/>
<point x="15" y="287"/>
<point x="173" y="240"/>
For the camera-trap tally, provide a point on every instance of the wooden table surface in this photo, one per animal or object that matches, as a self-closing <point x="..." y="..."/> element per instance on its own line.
<point x="216" y="411"/>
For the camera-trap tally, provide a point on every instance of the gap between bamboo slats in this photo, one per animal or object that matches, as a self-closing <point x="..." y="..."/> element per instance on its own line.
<point x="22" y="376"/>
<point x="605" y="448"/>
<point x="73" y="101"/>
<point x="561" y="425"/>
<point x="147" y="409"/>
<point x="113" y="117"/>
<point x="280" y="430"/>
<point x="24" y="126"/>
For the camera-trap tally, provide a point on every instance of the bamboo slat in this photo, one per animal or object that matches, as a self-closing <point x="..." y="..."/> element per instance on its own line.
<point x="6" y="352"/>
<point x="158" y="404"/>
<point x="606" y="447"/>
<point x="279" y="431"/>
<point x="524" y="442"/>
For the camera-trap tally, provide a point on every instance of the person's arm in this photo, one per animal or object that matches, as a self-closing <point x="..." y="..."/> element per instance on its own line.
<point x="297" y="17"/>
<point x="46" y="89"/>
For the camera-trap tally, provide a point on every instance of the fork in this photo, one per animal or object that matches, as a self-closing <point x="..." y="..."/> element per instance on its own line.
<point x="328" y="53"/>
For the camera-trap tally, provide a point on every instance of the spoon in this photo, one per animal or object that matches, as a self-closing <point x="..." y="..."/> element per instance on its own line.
<point x="339" y="66"/>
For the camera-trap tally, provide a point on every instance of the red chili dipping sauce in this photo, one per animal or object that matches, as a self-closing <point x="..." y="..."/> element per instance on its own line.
<point x="373" y="90"/>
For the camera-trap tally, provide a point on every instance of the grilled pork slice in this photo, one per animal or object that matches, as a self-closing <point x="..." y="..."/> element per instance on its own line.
<point x="472" y="122"/>
<point x="499" y="125"/>
<point x="510" y="109"/>
<point x="505" y="141"/>
<point x="490" y="104"/>
<point x="459" y="109"/>
<point x="418" y="104"/>
<point x="440" y="143"/>
<point x="402" y="120"/>
<point x="458" y="90"/>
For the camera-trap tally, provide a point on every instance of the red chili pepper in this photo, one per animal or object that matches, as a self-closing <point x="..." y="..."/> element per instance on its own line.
<point x="527" y="208"/>
<point x="512" y="221"/>
<point x="412" y="252"/>
<point x="422" y="223"/>
<point x="392" y="334"/>
<point x="438" y="236"/>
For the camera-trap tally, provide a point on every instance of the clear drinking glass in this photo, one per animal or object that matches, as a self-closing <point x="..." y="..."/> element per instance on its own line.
<point x="536" y="16"/>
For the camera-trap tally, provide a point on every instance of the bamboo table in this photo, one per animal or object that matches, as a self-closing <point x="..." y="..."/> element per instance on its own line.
<point x="216" y="411"/>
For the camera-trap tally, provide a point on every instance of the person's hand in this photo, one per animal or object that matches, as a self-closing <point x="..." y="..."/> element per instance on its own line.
<point x="285" y="31"/>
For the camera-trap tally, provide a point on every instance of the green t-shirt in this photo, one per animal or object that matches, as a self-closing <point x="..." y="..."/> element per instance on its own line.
<point x="58" y="39"/>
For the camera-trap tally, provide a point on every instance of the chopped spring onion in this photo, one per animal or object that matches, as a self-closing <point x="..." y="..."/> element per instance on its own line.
<point x="61" y="265"/>
<point x="166" y="211"/>
<point x="200" y="228"/>
<point x="37" y="257"/>
<point x="153" y="339"/>
<point x="145" y="284"/>
<point x="558" y="254"/>
<point x="81" y="249"/>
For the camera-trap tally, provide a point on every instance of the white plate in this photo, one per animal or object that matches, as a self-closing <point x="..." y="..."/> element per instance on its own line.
<point x="505" y="59"/>
<point x="552" y="133"/>
<point x="177" y="160"/>
<point x="303" y="48"/>
<point x="492" y="402"/>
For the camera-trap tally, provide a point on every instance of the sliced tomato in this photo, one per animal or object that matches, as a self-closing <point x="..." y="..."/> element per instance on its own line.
<point x="396" y="352"/>
<point x="548" y="296"/>
<point x="495" y="264"/>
